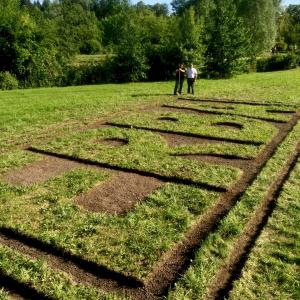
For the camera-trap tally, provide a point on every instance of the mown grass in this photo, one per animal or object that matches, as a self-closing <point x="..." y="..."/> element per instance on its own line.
<point x="273" y="268"/>
<point x="272" y="113"/>
<point x="144" y="151"/>
<point x="218" y="245"/>
<point x="38" y="275"/>
<point x="251" y="130"/>
<point x="134" y="243"/>
<point x="129" y="244"/>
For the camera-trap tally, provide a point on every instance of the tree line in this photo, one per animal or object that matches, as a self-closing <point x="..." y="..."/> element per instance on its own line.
<point x="39" y="39"/>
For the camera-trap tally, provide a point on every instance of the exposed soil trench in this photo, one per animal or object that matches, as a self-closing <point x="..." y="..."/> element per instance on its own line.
<point x="201" y="111"/>
<point x="199" y="100"/>
<point x="220" y="139"/>
<point x="118" y="194"/>
<point x="232" y="268"/>
<point x="175" y="261"/>
<point x="164" y="178"/>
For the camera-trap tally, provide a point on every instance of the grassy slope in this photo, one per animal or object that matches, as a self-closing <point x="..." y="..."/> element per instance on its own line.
<point x="26" y="116"/>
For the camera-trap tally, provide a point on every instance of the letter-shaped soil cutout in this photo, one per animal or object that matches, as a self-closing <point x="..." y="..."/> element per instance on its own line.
<point x="223" y="107"/>
<point x="119" y="194"/>
<point x="229" y="125"/>
<point x="114" y="142"/>
<point x="280" y="111"/>
<point x="40" y="171"/>
<point x="171" y="119"/>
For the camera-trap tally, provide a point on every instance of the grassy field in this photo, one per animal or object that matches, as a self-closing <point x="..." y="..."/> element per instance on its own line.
<point x="72" y="124"/>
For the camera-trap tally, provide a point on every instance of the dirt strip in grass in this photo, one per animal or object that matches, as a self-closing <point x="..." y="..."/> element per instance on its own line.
<point x="80" y="270"/>
<point x="176" y="261"/>
<point x="217" y="139"/>
<point x="119" y="194"/>
<point x="201" y="111"/>
<point x="228" y="160"/>
<point x="129" y="170"/>
<point x="232" y="268"/>
<point x="19" y="291"/>
<point x="173" y="139"/>
<point x="252" y="103"/>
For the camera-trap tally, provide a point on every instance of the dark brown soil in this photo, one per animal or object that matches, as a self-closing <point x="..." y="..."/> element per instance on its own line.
<point x="168" y="119"/>
<point x="280" y="111"/>
<point x="221" y="107"/>
<point x="176" y="260"/>
<point x="232" y="268"/>
<point x="39" y="171"/>
<point x="173" y="139"/>
<point x="240" y="163"/>
<point x="119" y="194"/>
<point x="229" y="125"/>
<point x="114" y="142"/>
<point x="212" y="138"/>
<point x="219" y="113"/>
<point x="251" y="103"/>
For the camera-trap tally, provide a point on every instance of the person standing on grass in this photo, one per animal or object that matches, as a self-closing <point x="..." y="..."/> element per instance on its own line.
<point x="191" y="78"/>
<point x="180" y="74"/>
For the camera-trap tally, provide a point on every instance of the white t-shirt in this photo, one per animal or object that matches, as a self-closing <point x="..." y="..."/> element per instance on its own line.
<point x="191" y="73"/>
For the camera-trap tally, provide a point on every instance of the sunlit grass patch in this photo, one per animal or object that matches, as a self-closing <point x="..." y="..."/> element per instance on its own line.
<point x="130" y="244"/>
<point x="243" y="151"/>
<point x="13" y="160"/>
<point x="218" y="245"/>
<point x="144" y="151"/>
<point x="273" y="269"/>
<point x="207" y="125"/>
<point x="272" y="113"/>
<point x="49" y="282"/>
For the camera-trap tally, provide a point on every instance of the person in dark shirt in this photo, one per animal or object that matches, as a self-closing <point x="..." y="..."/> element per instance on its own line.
<point x="180" y="74"/>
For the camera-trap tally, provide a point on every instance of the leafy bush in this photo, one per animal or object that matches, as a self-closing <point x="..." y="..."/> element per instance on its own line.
<point x="90" y="47"/>
<point x="8" y="81"/>
<point x="277" y="62"/>
<point x="92" y="73"/>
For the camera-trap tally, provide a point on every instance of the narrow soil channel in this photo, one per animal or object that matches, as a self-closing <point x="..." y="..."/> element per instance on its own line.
<point x="177" y="260"/>
<point x="251" y="103"/>
<point x="232" y="269"/>
<point x="203" y="111"/>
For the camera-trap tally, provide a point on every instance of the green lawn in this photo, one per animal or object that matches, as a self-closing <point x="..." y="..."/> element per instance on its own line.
<point x="64" y="121"/>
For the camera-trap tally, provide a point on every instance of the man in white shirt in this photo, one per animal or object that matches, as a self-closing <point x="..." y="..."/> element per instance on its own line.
<point x="191" y="78"/>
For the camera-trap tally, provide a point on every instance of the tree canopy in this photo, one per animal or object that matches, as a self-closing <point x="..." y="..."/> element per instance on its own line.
<point x="39" y="39"/>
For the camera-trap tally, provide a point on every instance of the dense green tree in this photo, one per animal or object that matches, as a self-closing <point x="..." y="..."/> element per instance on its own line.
<point x="260" y="19"/>
<point x="225" y="41"/>
<point x="107" y="8"/>
<point x="130" y="62"/>
<point x="24" y="49"/>
<point x="289" y="29"/>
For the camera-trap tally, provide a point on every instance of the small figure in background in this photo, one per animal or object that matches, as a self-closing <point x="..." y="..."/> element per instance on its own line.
<point x="191" y="78"/>
<point x="180" y="74"/>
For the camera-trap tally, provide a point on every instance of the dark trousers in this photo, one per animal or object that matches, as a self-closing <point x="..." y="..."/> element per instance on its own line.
<point x="191" y="82"/>
<point x="178" y="84"/>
